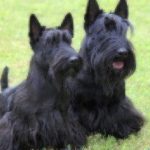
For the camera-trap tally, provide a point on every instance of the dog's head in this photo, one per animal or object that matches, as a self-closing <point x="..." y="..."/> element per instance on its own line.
<point x="52" y="47"/>
<point x="106" y="47"/>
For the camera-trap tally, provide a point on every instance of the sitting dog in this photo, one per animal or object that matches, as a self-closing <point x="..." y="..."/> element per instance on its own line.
<point x="99" y="95"/>
<point x="38" y="111"/>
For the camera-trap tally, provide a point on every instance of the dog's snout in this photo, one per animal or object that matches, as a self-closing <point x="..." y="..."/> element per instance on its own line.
<point x="75" y="64"/>
<point x="122" y="52"/>
<point x="75" y="61"/>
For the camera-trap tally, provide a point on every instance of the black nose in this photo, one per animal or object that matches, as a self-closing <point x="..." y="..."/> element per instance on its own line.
<point x="122" y="52"/>
<point x="75" y="64"/>
<point x="75" y="61"/>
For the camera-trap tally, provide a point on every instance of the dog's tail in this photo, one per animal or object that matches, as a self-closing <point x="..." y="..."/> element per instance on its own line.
<point x="4" y="78"/>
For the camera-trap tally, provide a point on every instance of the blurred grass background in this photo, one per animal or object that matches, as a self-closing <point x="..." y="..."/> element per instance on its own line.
<point x="15" y="52"/>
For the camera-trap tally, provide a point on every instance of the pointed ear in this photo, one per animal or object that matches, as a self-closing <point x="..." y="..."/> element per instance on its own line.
<point x="67" y="23"/>
<point x="92" y="12"/>
<point x="34" y="28"/>
<point x="122" y="9"/>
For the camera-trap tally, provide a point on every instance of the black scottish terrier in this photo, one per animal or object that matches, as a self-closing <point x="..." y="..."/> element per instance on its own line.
<point x="38" y="112"/>
<point x="99" y="97"/>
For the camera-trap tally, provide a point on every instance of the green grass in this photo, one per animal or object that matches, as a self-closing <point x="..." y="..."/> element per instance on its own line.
<point x="15" y="52"/>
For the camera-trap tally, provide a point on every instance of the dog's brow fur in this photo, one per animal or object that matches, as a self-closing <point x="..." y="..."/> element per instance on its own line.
<point x="57" y="36"/>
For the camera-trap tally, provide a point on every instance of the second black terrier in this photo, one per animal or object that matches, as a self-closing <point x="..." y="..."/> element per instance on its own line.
<point x="100" y="98"/>
<point x="38" y="111"/>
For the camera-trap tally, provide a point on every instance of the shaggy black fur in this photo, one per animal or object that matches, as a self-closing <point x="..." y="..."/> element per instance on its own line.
<point x="99" y="97"/>
<point x="38" y="112"/>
